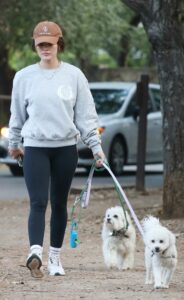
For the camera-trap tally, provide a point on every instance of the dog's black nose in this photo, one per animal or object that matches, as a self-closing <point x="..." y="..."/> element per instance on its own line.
<point x="108" y="220"/>
<point x="157" y="249"/>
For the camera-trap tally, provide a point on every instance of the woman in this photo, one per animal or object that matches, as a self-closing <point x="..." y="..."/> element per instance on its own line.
<point x="51" y="106"/>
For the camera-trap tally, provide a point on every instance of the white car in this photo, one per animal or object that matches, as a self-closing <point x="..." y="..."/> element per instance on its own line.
<point x="117" y="108"/>
<point x="116" y="105"/>
<point x="4" y="157"/>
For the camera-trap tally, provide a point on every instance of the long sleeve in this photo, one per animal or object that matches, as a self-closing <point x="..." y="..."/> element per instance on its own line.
<point x="86" y="119"/>
<point x="18" y="114"/>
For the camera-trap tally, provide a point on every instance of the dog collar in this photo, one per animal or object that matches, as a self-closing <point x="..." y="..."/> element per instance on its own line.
<point x="120" y="233"/>
<point x="170" y="256"/>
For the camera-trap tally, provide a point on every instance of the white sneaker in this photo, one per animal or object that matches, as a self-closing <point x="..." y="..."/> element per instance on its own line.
<point x="54" y="266"/>
<point x="34" y="261"/>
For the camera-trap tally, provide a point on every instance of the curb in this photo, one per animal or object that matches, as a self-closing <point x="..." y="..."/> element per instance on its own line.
<point x="78" y="189"/>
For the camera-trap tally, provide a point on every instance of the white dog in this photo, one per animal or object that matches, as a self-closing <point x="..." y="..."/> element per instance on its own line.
<point x="160" y="253"/>
<point x="119" y="239"/>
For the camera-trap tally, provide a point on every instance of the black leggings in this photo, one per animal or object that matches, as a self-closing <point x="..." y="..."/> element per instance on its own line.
<point x="44" y="167"/>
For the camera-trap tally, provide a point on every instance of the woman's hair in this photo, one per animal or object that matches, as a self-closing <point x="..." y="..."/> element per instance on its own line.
<point x="61" y="45"/>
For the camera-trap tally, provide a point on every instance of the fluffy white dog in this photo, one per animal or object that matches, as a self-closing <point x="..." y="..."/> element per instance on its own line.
<point x="119" y="239"/>
<point x="160" y="253"/>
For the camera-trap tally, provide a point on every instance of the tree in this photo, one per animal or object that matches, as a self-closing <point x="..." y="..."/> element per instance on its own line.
<point x="163" y="21"/>
<point x="89" y="25"/>
<point x="99" y="24"/>
<point x="16" y="23"/>
<point x="92" y="27"/>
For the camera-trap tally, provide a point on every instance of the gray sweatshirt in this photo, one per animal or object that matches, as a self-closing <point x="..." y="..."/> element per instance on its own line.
<point x="52" y="108"/>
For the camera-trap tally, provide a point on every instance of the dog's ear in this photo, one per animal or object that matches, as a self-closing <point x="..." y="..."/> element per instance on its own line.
<point x="172" y="238"/>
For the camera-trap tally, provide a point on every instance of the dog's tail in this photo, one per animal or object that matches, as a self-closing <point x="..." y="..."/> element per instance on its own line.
<point x="149" y="222"/>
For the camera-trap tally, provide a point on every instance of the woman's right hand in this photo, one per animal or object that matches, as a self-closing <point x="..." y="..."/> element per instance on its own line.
<point x="100" y="158"/>
<point x="15" y="153"/>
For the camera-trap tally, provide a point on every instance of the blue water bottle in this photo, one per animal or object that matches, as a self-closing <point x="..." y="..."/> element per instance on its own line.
<point x="73" y="236"/>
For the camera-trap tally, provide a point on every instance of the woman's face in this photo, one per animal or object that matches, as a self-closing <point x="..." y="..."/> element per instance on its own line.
<point x="47" y="51"/>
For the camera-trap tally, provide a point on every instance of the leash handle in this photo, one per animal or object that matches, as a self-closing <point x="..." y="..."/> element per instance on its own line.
<point x="86" y="192"/>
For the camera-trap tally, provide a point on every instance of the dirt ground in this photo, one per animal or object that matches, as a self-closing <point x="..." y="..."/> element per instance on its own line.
<point x="86" y="275"/>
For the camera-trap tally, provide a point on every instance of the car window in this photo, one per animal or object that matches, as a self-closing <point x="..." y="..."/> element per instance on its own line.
<point x="108" y="101"/>
<point x="157" y="98"/>
<point x="133" y="106"/>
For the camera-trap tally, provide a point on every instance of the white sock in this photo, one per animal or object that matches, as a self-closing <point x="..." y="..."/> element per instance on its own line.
<point x="54" y="251"/>
<point x="54" y="263"/>
<point x="36" y="249"/>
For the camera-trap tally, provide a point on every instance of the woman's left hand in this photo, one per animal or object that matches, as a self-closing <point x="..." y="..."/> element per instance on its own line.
<point x="100" y="158"/>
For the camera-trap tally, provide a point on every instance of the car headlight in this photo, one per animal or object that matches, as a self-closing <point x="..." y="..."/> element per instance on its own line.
<point x="4" y="132"/>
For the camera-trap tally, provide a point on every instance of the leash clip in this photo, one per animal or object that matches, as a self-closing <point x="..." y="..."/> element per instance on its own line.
<point x="20" y="161"/>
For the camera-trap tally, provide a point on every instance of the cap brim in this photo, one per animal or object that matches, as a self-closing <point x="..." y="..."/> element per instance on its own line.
<point x="46" y="39"/>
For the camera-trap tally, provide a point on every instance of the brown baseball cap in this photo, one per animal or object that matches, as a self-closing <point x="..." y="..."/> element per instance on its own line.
<point x="46" y="32"/>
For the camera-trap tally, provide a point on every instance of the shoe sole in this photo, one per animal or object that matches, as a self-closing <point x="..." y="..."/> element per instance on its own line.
<point x="56" y="274"/>
<point x="34" y="264"/>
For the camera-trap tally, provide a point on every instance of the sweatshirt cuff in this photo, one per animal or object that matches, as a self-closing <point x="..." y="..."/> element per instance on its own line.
<point x="96" y="148"/>
<point x="12" y="146"/>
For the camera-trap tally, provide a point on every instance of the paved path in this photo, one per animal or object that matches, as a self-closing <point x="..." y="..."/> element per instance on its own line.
<point x="14" y="187"/>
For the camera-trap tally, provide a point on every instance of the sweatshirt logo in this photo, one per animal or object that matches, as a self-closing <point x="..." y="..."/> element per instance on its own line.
<point x="65" y="92"/>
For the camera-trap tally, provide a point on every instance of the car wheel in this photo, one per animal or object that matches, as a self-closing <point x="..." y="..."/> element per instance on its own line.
<point x="16" y="170"/>
<point x="117" y="156"/>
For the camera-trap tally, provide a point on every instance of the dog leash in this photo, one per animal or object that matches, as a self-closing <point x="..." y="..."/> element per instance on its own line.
<point x="86" y="194"/>
<point x="121" y="191"/>
<point x="83" y="200"/>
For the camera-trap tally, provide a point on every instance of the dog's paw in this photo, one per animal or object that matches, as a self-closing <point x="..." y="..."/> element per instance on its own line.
<point x="149" y="281"/>
<point x="157" y="286"/>
<point x="165" y="286"/>
<point x="161" y="286"/>
<point x="109" y="266"/>
<point x="125" y="268"/>
<point x="120" y="268"/>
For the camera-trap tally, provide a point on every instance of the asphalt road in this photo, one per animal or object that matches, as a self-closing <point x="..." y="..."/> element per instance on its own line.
<point x="14" y="187"/>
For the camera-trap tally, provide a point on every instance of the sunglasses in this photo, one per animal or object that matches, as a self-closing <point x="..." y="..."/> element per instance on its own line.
<point x="48" y="45"/>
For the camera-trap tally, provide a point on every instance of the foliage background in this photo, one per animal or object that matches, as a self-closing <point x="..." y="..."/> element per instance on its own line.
<point x="93" y="32"/>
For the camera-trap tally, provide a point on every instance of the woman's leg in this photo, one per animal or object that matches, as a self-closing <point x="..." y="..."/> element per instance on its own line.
<point x="63" y="166"/>
<point x="36" y="173"/>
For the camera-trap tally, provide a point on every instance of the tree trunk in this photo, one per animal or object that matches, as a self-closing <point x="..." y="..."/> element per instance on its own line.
<point x="167" y="41"/>
<point x="164" y="30"/>
<point x="6" y="73"/>
<point x="171" y="74"/>
<point x="124" y="43"/>
<point x="6" y="78"/>
<point x="89" y="70"/>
